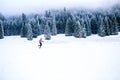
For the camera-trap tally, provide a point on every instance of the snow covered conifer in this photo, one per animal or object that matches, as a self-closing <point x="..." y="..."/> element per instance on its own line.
<point x="2" y="18"/>
<point x="29" y="32"/>
<point x="54" y="29"/>
<point x="106" y="21"/>
<point x="1" y="30"/>
<point x="24" y="31"/>
<point x="24" y="28"/>
<point x="77" y="29"/>
<point x="37" y="25"/>
<point x="67" y="27"/>
<point x="101" y="29"/>
<point x="87" y="25"/>
<point x="47" y="32"/>
<point x="34" y="27"/>
<point x="115" y="26"/>
<point x="83" y="29"/>
<point x="94" y="25"/>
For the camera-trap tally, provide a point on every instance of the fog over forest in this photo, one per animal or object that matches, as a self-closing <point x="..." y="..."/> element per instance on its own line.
<point x="12" y="7"/>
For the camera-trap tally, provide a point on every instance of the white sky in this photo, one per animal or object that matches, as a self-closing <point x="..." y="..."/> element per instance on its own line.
<point x="27" y="6"/>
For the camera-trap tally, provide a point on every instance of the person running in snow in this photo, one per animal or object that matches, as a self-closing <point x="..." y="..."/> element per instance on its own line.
<point x="40" y="42"/>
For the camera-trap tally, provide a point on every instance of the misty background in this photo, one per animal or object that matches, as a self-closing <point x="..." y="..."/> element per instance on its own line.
<point x="12" y="7"/>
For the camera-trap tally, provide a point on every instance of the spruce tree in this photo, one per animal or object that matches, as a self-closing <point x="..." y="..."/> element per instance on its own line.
<point x="106" y="19"/>
<point x="35" y="27"/>
<point x="54" y="29"/>
<point x="87" y="25"/>
<point x="39" y="31"/>
<point x="115" y="25"/>
<point x="1" y="30"/>
<point x="67" y="27"/>
<point x="84" y="34"/>
<point x="38" y="25"/>
<point x="29" y="32"/>
<point x="24" y="28"/>
<point x="47" y="32"/>
<point x="94" y="25"/>
<point x="83" y="28"/>
<point x="24" y="19"/>
<point x="101" y="29"/>
<point x="2" y="18"/>
<point x="77" y="29"/>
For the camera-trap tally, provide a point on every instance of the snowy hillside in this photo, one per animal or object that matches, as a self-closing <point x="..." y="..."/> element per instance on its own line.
<point x="61" y="58"/>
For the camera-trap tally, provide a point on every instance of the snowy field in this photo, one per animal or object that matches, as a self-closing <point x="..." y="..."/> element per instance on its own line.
<point x="61" y="58"/>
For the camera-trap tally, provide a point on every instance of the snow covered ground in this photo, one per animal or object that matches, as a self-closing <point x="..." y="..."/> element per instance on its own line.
<point x="61" y="58"/>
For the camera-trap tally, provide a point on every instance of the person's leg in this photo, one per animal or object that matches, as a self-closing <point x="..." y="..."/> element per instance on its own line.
<point x="40" y="45"/>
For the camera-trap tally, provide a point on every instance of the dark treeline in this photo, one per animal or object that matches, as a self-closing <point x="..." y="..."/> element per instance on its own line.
<point x="79" y="23"/>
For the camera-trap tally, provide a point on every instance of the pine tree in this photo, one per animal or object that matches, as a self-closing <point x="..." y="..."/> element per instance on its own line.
<point x="24" y="31"/>
<point x="84" y="34"/>
<point x="101" y="29"/>
<point x="24" y="28"/>
<point x="54" y="29"/>
<point x="1" y="30"/>
<point x="24" y="19"/>
<point x="83" y="29"/>
<point x="47" y="32"/>
<point x="106" y="19"/>
<point x="115" y="25"/>
<point x="117" y="14"/>
<point x="87" y="25"/>
<point x="67" y="28"/>
<point x="94" y="25"/>
<point x="29" y="32"/>
<point x="2" y="18"/>
<point x="39" y="28"/>
<point x="77" y="29"/>
<point x="35" y="27"/>
<point x="37" y="24"/>
<point x="42" y="25"/>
